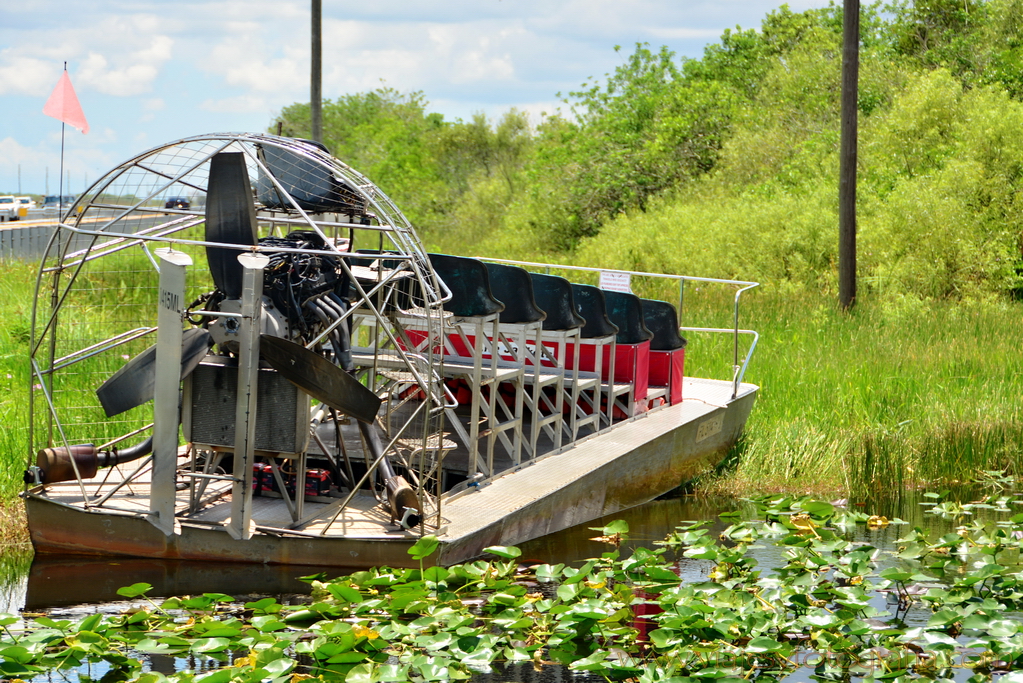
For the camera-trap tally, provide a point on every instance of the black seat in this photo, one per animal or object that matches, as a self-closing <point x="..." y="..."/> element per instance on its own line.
<point x="404" y="289"/>
<point x="312" y="185"/>
<point x="626" y="311"/>
<point x="661" y="319"/>
<point x="553" y="295"/>
<point x="469" y="284"/>
<point x="512" y="286"/>
<point x="589" y="302"/>
<point x="368" y="257"/>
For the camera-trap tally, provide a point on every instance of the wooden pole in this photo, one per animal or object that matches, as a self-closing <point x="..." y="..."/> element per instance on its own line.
<point x="847" y="164"/>
<point x="316" y="79"/>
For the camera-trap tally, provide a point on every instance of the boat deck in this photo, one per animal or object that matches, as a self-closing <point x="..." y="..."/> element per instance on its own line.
<point x="363" y="517"/>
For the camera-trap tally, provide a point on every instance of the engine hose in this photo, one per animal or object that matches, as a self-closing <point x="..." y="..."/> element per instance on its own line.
<point x="118" y="456"/>
<point x="296" y="309"/>
<point x="336" y="337"/>
<point x="341" y="306"/>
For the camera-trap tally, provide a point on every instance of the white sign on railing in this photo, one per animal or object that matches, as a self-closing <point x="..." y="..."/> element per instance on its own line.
<point x="615" y="282"/>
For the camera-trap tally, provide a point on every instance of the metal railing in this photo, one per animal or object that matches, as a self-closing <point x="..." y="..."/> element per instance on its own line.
<point x="738" y="368"/>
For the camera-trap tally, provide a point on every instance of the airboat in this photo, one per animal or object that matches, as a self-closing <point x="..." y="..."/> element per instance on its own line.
<point x="279" y="372"/>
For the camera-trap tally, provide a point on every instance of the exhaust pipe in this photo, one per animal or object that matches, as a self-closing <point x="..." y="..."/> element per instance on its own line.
<point x="401" y="497"/>
<point x="55" y="464"/>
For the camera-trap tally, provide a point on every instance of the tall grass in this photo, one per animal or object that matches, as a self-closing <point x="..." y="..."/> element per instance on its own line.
<point x="886" y="396"/>
<point x="17" y="284"/>
<point x="113" y="294"/>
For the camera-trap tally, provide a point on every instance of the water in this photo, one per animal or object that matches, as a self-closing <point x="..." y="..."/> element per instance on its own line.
<point x="72" y="587"/>
<point x="54" y="581"/>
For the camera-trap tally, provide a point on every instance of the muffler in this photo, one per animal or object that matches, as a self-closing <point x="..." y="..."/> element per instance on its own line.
<point x="55" y="464"/>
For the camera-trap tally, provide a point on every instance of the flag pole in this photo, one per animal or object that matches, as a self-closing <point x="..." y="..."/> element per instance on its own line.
<point x="54" y="296"/>
<point x="64" y="106"/>
<point x="60" y="184"/>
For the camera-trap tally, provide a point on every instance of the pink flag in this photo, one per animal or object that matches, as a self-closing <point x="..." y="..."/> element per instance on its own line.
<point x="63" y="105"/>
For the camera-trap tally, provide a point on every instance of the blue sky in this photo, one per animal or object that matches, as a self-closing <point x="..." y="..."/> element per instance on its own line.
<point x="152" y="71"/>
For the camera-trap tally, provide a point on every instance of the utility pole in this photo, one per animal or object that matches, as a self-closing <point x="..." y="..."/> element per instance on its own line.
<point x="847" y="154"/>
<point x="316" y="78"/>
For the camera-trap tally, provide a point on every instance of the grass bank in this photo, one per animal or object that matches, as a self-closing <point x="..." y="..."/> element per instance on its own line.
<point x="17" y="285"/>
<point x="889" y="395"/>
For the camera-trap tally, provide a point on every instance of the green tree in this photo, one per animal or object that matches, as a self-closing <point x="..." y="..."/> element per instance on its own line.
<point x="978" y="41"/>
<point x="642" y="132"/>
<point x="386" y="135"/>
<point x="424" y="163"/>
<point x="482" y="163"/>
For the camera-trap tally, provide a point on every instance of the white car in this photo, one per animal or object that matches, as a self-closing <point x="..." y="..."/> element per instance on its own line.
<point x="26" y="202"/>
<point x="8" y="208"/>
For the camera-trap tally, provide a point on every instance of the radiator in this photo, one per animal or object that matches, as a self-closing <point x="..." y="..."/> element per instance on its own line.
<point x="208" y="408"/>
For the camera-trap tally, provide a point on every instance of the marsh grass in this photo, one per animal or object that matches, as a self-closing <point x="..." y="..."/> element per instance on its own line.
<point x="111" y="294"/>
<point x="16" y="293"/>
<point x="887" y="396"/>
<point x="14" y="539"/>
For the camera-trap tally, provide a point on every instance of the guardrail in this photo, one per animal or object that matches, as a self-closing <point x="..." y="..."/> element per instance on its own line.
<point x="26" y="239"/>
<point x="24" y="242"/>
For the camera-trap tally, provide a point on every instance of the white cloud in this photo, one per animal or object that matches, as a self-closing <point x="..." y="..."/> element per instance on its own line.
<point x="115" y="55"/>
<point x="133" y="79"/>
<point x="248" y="59"/>
<point x="126" y="73"/>
<point x="13" y="152"/>
<point x="474" y="52"/>
<point x="26" y="75"/>
<point x="243" y="104"/>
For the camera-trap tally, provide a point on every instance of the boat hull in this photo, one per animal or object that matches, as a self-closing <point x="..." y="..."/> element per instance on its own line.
<point x="611" y="471"/>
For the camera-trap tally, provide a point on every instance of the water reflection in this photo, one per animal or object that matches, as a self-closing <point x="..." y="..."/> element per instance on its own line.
<point x="14" y="566"/>
<point x="55" y="581"/>
<point x="59" y="581"/>
<point x="647" y="524"/>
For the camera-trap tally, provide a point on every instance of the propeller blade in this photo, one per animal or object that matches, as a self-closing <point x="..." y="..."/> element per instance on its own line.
<point x="230" y="219"/>
<point x="318" y="377"/>
<point x="135" y="383"/>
